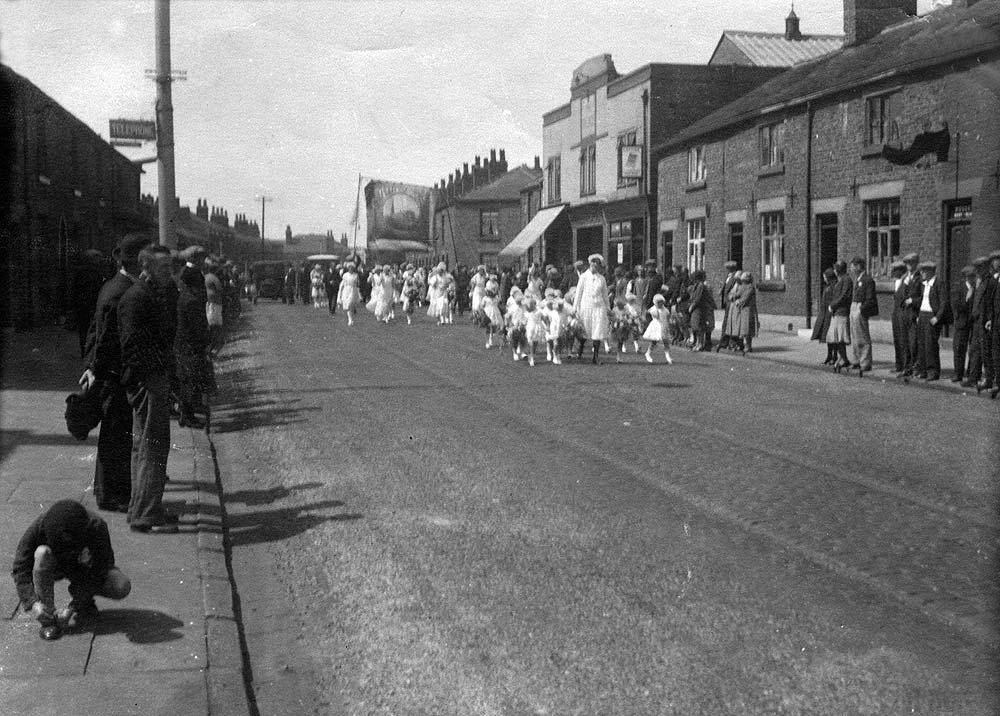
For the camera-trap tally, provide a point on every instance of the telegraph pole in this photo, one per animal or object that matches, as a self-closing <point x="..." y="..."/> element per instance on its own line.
<point x="165" y="128"/>
<point x="263" y="250"/>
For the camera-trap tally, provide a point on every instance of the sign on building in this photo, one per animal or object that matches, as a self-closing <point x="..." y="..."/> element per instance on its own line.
<point x="631" y="160"/>
<point x="133" y="129"/>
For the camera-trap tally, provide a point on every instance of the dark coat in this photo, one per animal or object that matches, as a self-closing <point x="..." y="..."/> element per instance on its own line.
<point x="961" y="307"/>
<point x="103" y="353"/>
<point x="143" y="332"/>
<point x="864" y="293"/>
<point x="938" y="298"/>
<point x="654" y="282"/>
<point x="85" y="579"/>
<point x="822" y="325"/>
<point x="745" y="304"/>
<point x="914" y="293"/>
<point x="843" y="292"/>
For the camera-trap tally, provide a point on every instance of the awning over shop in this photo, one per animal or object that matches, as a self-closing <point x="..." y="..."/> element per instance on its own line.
<point x="531" y="233"/>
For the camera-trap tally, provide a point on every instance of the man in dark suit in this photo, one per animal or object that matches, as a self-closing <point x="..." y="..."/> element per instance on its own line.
<point x="991" y="307"/>
<point x="864" y="305"/>
<point x="88" y="278"/>
<point x="103" y="359"/>
<point x="912" y="293"/>
<point x="962" y="294"/>
<point x="143" y="332"/>
<point x="899" y="344"/>
<point x="572" y="278"/>
<point x="979" y="356"/>
<point x="934" y="315"/>
<point x="654" y="282"/>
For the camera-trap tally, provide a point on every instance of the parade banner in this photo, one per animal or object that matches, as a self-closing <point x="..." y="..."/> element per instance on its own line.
<point x="398" y="216"/>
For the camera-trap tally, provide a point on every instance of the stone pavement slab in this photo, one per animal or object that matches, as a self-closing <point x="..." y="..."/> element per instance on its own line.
<point x="172" y="646"/>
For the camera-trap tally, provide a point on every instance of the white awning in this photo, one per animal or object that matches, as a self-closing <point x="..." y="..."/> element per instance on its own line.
<point x="531" y="233"/>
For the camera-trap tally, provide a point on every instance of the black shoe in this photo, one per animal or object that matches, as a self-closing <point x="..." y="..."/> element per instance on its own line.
<point x="957" y="379"/>
<point x="50" y="632"/>
<point x="933" y="376"/>
<point x="994" y="393"/>
<point x="191" y="422"/>
<point x="855" y="366"/>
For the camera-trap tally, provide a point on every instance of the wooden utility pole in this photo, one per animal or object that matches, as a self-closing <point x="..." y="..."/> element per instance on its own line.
<point x="165" y="128"/>
<point x="263" y="247"/>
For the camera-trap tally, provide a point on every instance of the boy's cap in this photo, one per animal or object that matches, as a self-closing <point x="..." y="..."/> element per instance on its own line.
<point x="911" y="258"/>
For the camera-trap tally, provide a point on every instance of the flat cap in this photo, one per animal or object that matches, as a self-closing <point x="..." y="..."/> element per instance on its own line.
<point x="969" y="270"/>
<point x="897" y="266"/>
<point x="927" y="266"/>
<point x="130" y="246"/>
<point x="981" y="261"/>
<point x="193" y="252"/>
<point x="650" y="263"/>
<point x="994" y="255"/>
<point x="911" y="258"/>
<point x="731" y="265"/>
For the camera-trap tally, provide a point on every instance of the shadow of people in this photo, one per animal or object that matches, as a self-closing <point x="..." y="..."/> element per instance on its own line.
<point x="270" y="495"/>
<point x="10" y="440"/>
<point x="275" y="525"/>
<point x="140" y="626"/>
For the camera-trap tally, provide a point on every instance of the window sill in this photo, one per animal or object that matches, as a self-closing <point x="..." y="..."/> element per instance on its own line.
<point x="771" y="171"/>
<point x="872" y="150"/>
<point x="771" y="285"/>
<point x="696" y="186"/>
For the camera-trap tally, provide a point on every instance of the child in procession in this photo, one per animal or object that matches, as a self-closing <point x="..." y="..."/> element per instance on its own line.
<point x="534" y="328"/>
<point x="658" y="327"/>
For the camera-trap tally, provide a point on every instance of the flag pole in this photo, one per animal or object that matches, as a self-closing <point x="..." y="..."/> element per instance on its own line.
<point x="357" y="215"/>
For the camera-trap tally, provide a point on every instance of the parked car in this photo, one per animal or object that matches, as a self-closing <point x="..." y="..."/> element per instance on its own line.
<point x="268" y="279"/>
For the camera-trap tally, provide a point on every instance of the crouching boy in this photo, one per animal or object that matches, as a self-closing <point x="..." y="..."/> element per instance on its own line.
<point x="66" y="542"/>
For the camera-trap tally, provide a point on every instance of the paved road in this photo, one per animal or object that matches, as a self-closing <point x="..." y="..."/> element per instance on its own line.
<point x="423" y="526"/>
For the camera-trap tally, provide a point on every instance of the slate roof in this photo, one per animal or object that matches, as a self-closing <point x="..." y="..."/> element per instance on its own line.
<point x="506" y="187"/>
<point x="770" y="49"/>
<point x="938" y="38"/>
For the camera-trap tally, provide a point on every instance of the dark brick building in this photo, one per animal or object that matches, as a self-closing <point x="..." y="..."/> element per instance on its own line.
<point x="67" y="191"/>
<point x="887" y="146"/>
<point x="478" y="210"/>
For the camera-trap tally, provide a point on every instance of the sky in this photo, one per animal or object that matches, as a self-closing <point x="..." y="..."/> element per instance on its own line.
<point x="294" y="99"/>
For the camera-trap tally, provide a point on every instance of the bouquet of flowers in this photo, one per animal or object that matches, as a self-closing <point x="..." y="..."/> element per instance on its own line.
<point x="571" y="333"/>
<point x="480" y="319"/>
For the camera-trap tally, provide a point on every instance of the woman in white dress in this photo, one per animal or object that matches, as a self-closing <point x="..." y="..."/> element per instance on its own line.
<point x="490" y="304"/>
<point x="316" y="281"/>
<point x="591" y="305"/>
<point x="349" y="295"/>
<point x="447" y="297"/>
<point x="410" y="293"/>
<point x="477" y="288"/>
<point x="434" y="292"/>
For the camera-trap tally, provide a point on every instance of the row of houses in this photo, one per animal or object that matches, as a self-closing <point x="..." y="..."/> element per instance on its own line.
<point x="783" y="153"/>
<point x="65" y="191"/>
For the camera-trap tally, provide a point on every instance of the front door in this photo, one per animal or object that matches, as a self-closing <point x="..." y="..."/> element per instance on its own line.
<point x="826" y="230"/>
<point x="589" y="240"/>
<point x="735" y="252"/>
<point x="958" y="241"/>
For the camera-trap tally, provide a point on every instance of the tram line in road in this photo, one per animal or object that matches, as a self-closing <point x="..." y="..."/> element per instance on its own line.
<point x="969" y="614"/>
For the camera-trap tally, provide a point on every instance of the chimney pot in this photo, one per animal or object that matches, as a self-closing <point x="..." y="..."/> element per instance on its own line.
<point x="538" y="162"/>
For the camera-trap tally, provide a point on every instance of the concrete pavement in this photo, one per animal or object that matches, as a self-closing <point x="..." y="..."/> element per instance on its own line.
<point x="173" y="645"/>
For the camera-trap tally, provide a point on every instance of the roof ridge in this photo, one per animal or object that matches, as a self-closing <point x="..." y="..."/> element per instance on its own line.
<point x="761" y="33"/>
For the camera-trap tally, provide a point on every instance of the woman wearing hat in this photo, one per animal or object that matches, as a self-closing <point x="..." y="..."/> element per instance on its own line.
<point x="746" y="312"/>
<point x="591" y="305"/>
<point x="821" y="328"/>
<point x="477" y="288"/>
<point x="349" y="295"/>
<point x="839" y="309"/>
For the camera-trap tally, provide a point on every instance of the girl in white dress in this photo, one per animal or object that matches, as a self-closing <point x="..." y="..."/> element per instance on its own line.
<point x="410" y="294"/>
<point x="349" y="295"/>
<point x="534" y="327"/>
<point x="316" y="280"/>
<point x="591" y="305"/>
<point x="434" y="293"/>
<point x="375" y="281"/>
<point x="555" y="314"/>
<point x="535" y="284"/>
<point x="515" y="323"/>
<point x="385" y="310"/>
<point x="447" y="297"/>
<point x="659" y="328"/>
<point x="490" y="307"/>
<point x="477" y="288"/>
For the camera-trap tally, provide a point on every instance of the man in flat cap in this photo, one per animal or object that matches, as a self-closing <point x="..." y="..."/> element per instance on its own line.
<point x="979" y="354"/>
<point x="146" y="354"/>
<point x="934" y="315"/>
<point x="899" y="344"/>
<point x="103" y="360"/>
<point x="912" y="293"/>
<point x="960" y="300"/>
<point x="864" y="305"/>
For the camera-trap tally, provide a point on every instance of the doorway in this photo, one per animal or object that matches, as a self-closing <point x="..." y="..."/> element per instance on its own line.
<point x="589" y="240"/>
<point x="827" y="234"/>
<point x="958" y="239"/>
<point x="735" y="251"/>
<point x="666" y="250"/>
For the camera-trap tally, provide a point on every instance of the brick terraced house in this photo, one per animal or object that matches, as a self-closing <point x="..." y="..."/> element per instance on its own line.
<point x="886" y="146"/>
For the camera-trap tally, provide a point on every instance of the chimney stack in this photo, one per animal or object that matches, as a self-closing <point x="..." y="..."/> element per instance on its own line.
<point x="503" y="163"/>
<point x="538" y="162"/>
<point x="864" y="19"/>
<point x="792" y="31"/>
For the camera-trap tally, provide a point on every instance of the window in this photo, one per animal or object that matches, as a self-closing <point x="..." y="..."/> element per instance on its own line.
<point x="554" y="169"/>
<point x="882" y="111"/>
<point x="772" y="245"/>
<point x="625" y="140"/>
<point x="620" y="229"/>
<point x="882" y="222"/>
<point x="696" y="244"/>
<point x="772" y="145"/>
<point x="588" y="170"/>
<point x="489" y="224"/>
<point x="696" y="164"/>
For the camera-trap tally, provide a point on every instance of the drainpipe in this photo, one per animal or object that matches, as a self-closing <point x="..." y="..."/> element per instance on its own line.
<point x="645" y="174"/>
<point x="809" y="127"/>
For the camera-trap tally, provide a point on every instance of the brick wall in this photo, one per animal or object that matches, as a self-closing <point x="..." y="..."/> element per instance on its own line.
<point x="843" y="174"/>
